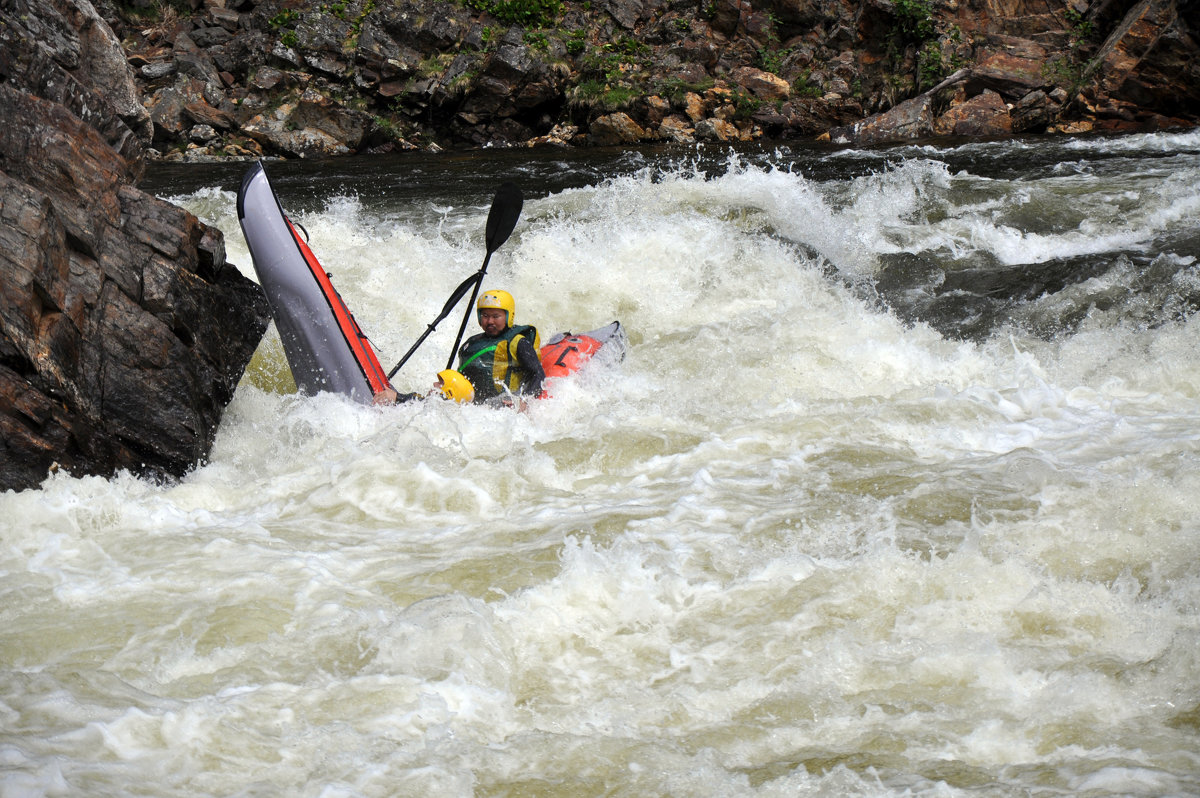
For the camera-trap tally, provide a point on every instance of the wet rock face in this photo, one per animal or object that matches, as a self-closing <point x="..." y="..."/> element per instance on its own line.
<point x="123" y="332"/>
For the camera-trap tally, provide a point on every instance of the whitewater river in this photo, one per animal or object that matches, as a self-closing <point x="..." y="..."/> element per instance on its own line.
<point x="897" y="492"/>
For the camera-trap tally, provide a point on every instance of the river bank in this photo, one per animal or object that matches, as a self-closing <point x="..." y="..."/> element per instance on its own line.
<point x="312" y="78"/>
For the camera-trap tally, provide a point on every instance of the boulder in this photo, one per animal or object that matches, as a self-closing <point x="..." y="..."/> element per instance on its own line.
<point x="1036" y="111"/>
<point x="1150" y="58"/>
<point x="984" y="115"/>
<point x="763" y="85"/>
<point x="123" y="332"/>
<point x="716" y="130"/>
<point x="676" y="128"/>
<point x="308" y="125"/>
<point x="1012" y="67"/>
<point x="911" y="119"/>
<point x="616" y="128"/>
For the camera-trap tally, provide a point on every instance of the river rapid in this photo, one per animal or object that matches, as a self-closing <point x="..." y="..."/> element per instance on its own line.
<point x="894" y="493"/>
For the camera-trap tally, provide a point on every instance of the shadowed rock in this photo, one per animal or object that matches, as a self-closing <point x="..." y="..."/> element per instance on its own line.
<point x="123" y="332"/>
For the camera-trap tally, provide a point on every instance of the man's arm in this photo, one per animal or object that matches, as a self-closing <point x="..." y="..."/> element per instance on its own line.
<point x="528" y="359"/>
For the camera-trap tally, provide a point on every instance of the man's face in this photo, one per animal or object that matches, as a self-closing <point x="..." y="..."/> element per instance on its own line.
<point x="493" y="320"/>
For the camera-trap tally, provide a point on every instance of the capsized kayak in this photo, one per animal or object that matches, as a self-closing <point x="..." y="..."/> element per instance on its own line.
<point x="324" y="346"/>
<point x="565" y="353"/>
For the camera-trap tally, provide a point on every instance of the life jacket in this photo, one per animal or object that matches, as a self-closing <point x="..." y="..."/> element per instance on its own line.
<point x="490" y="363"/>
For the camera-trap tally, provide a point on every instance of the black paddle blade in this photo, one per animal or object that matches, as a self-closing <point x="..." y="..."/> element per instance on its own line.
<point x="502" y="218"/>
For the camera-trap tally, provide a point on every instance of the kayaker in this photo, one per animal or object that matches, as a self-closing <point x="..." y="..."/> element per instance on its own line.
<point x="501" y="362"/>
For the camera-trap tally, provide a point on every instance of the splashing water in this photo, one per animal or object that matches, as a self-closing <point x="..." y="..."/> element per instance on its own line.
<point x="892" y="494"/>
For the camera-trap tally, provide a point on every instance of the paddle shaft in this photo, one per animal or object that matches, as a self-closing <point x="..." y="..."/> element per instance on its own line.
<point x="462" y="328"/>
<point x="502" y="218"/>
<point x="450" y="303"/>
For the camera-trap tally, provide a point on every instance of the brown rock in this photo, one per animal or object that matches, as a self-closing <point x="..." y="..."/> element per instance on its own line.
<point x="1035" y="111"/>
<point x="202" y="113"/>
<point x="1150" y="59"/>
<point x="911" y="119"/>
<point x="694" y="106"/>
<point x="764" y="85"/>
<point x="716" y="130"/>
<point x="676" y="128"/>
<point x="616" y="128"/>
<point x="1012" y="72"/>
<point x="983" y="115"/>
<point x="122" y="334"/>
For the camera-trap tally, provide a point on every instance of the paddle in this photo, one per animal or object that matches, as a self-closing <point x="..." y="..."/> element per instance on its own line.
<point x="473" y="280"/>
<point x="506" y="208"/>
<point x="502" y="218"/>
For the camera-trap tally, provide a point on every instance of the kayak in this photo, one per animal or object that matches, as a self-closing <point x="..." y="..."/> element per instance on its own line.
<point x="565" y="353"/>
<point x="324" y="346"/>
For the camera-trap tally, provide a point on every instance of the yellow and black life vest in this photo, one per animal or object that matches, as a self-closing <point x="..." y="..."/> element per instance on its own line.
<point x="490" y="363"/>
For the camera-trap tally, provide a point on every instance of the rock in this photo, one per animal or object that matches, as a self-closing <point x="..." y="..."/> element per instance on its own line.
<point x="123" y="333"/>
<point x="266" y="78"/>
<point x="616" y="128"/>
<point x="202" y="113"/>
<point x="984" y="115"/>
<point x="763" y="85"/>
<point x="158" y="69"/>
<point x="1034" y="112"/>
<point x="656" y="110"/>
<point x="202" y="133"/>
<point x="1150" y="58"/>
<point x="307" y="127"/>
<point x="559" y="136"/>
<point x="716" y="130"/>
<point x="626" y="13"/>
<point x="85" y="56"/>
<point x="840" y="60"/>
<point x="1013" y="71"/>
<point x="678" y="129"/>
<point x="166" y="107"/>
<point x="727" y="15"/>
<point x="910" y="120"/>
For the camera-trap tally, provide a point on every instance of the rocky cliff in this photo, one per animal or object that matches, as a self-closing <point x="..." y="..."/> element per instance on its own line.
<point x="123" y="332"/>
<point x="303" y="78"/>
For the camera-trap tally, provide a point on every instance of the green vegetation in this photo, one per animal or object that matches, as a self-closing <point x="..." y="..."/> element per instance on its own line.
<point x="285" y="19"/>
<point x="1081" y="29"/>
<point x="931" y="67"/>
<point x="745" y="104"/>
<point x="1071" y="70"/>
<point x="772" y="60"/>
<point x="529" y="13"/>
<point x="674" y="89"/>
<point x="604" y="96"/>
<point x="576" y="41"/>
<point x="536" y="40"/>
<point x="612" y="75"/>
<point x="915" y="18"/>
<point x="801" y="87"/>
<point x="916" y="27"/>
<point x="285" y="22"/>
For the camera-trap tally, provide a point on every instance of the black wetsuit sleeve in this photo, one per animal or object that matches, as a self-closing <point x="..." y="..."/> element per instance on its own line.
<point x="527" y="358"/>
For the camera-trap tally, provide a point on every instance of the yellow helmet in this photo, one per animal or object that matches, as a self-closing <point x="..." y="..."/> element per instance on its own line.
<point x="498" y="299"/>
<point x="455" y="386"/>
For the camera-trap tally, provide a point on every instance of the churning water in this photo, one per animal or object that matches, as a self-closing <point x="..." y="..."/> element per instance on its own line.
<point x="895" y="493"/>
